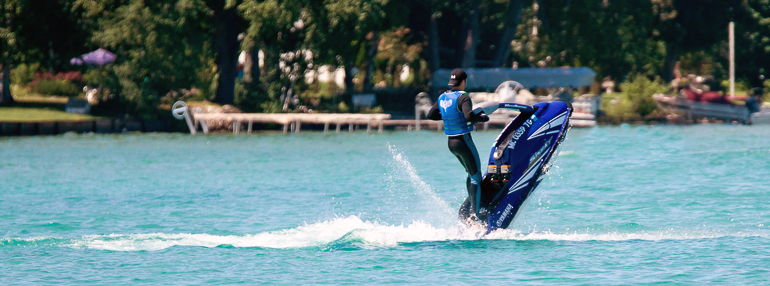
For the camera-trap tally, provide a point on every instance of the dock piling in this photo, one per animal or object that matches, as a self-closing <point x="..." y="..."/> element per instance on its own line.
<point x="249" y="131"/>
<point x="338" y="127"/>
<point x="326" y="127"/>
<point x="188" y="119"/>
<point x="205" y="127"/>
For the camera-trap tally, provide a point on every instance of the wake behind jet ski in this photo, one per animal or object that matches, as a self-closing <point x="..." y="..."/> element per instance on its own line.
<point x="521" y="156"/>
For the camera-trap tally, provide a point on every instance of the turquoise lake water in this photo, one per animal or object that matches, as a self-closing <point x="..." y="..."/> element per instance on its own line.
<point x="622" y="205"/>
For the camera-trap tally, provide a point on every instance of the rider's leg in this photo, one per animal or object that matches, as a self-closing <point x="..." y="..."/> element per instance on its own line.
<point x="474" y="172"/>
<point x="463" y="148"/>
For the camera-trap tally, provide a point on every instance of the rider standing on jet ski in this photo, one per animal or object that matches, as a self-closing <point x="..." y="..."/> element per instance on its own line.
<point x="454" y="107"/>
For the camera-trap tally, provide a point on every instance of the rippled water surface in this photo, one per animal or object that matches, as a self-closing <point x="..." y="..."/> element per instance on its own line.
<point x="623" y="205"/>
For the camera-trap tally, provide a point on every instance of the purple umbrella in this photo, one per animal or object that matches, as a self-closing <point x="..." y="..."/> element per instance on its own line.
<point x="76" y="61"/>
<point x="98" y="57"/>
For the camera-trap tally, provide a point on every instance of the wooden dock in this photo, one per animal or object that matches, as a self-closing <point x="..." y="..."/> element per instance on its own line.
<point x="337" y="122"/>
<point x="292" y="122"/>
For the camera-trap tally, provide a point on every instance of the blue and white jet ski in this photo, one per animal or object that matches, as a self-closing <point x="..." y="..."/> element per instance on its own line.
<point x="521" y="156"/>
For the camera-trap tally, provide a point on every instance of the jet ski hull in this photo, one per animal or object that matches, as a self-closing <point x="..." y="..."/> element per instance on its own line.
<point x="520" y="157"/>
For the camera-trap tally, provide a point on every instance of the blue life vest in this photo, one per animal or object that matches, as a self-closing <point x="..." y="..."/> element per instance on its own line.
<point x="454" y="119"/>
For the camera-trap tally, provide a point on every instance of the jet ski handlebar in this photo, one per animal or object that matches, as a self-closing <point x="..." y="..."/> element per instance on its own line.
<point x="489" y="107"/>
<point x="519" y="107"/>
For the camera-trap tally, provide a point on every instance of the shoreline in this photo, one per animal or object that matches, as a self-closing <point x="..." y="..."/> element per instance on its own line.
<point x="103" y="126"/>
<point x="112" y="126"/>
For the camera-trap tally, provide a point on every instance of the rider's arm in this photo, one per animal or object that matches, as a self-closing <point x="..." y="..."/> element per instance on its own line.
<point x="464" y="102"/>
<point x="434" y="113"/>
<point x="466" y="106"/>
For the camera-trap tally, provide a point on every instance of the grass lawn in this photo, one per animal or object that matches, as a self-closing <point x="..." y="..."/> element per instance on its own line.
<point x="40" y="109"/>
<point x="37" y="99"/>
<point x="28" y="114"/>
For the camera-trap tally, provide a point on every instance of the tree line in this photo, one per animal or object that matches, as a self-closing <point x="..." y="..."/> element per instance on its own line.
<point x="167" y="47"/>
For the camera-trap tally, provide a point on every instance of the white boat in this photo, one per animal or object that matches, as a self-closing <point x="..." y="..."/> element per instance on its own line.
<point x="695" y="110"/>
<point x="586" y="107"/>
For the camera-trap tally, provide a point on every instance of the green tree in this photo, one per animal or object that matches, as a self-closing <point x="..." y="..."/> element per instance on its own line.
<point x="344" y="29"/>
<point x="753" y="41"/>
<point x="690" y="25"/>
<point x="277" y="28"/>
<point x="512" y="18"/>
<point x="396" y="51"/>
<point x="162" y="47"/>
<point x="226" y="24"/>
<point x="613" y="38"/>
<point x="8" y="47"/>
<point x="27" y="39"/>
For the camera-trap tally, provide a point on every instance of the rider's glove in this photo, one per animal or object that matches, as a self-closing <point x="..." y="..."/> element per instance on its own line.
<point x="483" y="117"/>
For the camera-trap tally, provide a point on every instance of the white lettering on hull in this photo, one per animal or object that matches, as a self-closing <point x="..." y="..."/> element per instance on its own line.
<point x="505" y="214"/>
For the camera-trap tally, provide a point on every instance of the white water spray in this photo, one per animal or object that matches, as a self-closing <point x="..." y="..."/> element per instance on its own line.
<point x="404" y="182"/>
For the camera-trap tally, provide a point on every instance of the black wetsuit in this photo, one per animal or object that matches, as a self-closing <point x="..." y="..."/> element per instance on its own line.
<point x="463" y="148"/>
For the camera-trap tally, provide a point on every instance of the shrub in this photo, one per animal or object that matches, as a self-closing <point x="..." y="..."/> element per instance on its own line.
<point x="244" y="98"/>
<point x="66" y="84"/>
<point x="742" y="86"/>
<point x="375" y="109"/>
<point x="100" y="78"/>
<point x="342" y="107"/>
<point x="23" y="74"/>
<point x="73" y="77"/>
<point x="56" y="87"/>
<point x="635" y="99"/>
<point x="639" y="91"/>
<point x="616" y="108"/>
<point x="19" y="90"/>
<point x="320" y="89"/>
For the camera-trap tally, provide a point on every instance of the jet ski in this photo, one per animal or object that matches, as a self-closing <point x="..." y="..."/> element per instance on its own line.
<point x="521" y="156"/>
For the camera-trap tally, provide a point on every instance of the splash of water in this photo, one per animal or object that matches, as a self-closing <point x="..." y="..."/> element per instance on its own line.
<point x="403" y="182"/>
<point x="350" y="230"/>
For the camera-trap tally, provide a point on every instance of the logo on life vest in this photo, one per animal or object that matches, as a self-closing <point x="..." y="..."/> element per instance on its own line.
<point x="446" y="103"/>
